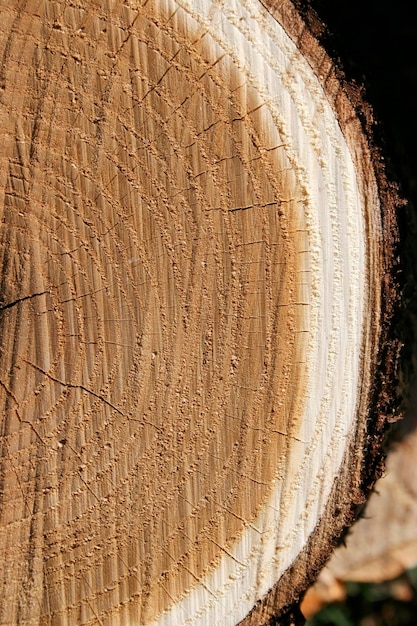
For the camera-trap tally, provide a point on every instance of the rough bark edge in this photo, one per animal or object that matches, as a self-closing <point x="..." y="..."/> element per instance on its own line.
<point x="383" y="405"/>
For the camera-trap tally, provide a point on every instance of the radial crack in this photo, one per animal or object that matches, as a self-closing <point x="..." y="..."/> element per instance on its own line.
<point x="74" y="386"/>
<point x="9" y="305"/>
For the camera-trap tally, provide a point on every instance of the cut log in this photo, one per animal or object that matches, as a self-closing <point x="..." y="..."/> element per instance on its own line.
<point x="198" y="263"/>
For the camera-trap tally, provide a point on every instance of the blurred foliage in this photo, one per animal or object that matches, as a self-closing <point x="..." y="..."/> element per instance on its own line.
<point x="392" y="603"/>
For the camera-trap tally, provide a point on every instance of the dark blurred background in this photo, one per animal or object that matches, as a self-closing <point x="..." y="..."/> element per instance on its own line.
<point x="376" y="42"/>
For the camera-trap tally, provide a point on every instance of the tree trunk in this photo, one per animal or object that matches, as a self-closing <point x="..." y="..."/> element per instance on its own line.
<point x="198" y="265"/>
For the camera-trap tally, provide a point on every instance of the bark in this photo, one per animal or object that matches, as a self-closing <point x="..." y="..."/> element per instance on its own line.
<point x="198" y="282"/>
<point x="382" y="545"/>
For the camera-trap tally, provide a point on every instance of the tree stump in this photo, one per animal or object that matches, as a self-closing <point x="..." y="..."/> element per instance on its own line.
<point x="198" y="360"/>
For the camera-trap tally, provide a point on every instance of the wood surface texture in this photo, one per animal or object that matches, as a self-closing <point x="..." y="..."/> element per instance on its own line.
<point x="196" y="254"/>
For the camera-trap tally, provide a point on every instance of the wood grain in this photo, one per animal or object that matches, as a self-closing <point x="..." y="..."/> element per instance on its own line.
<point x="191" y="307"/>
